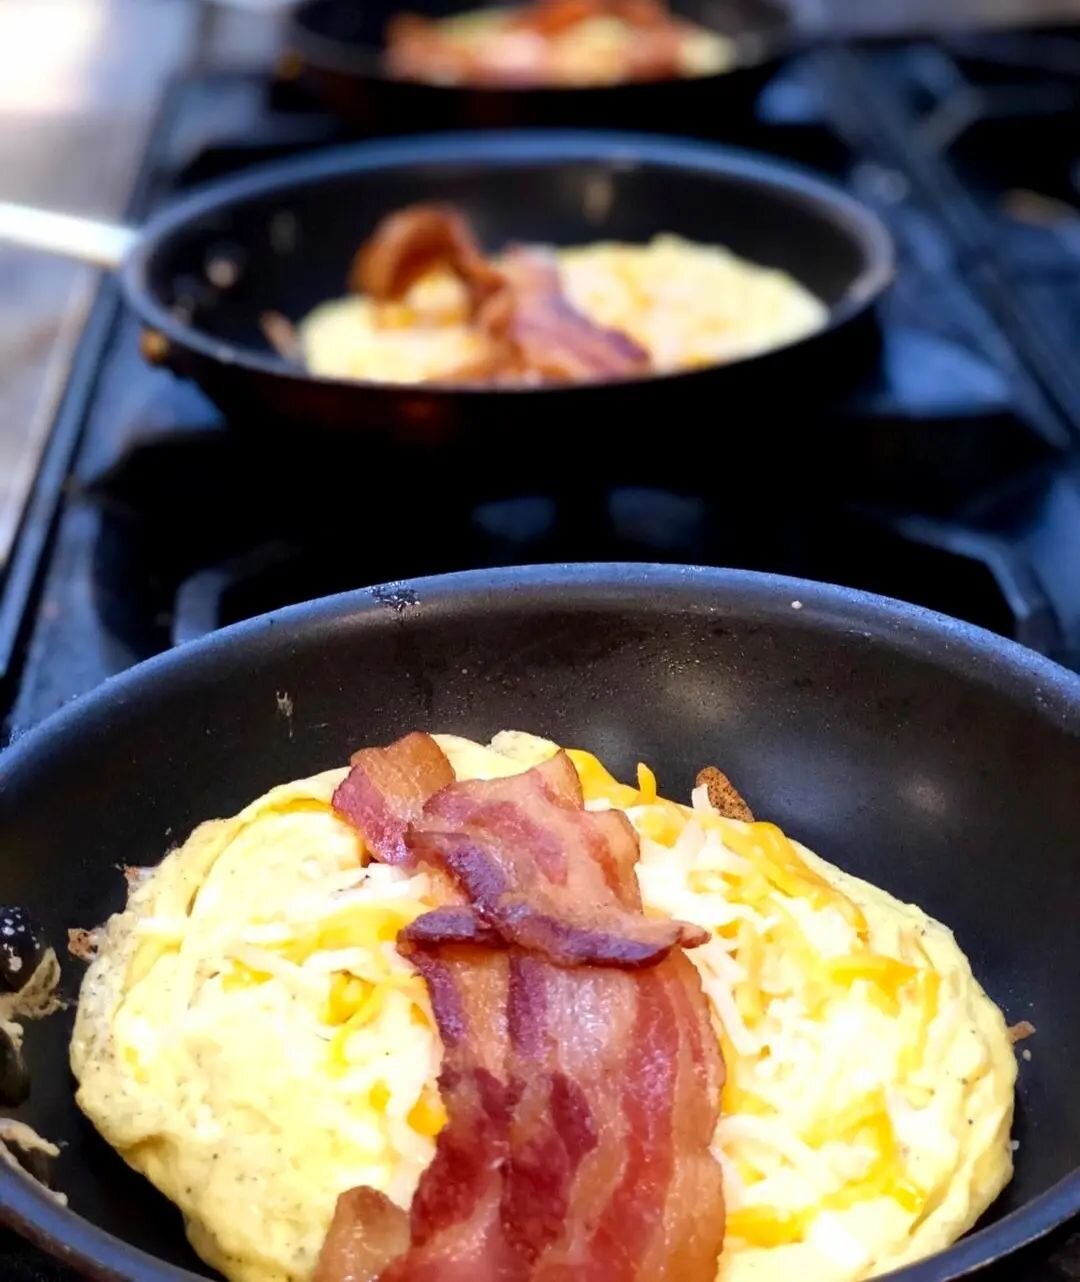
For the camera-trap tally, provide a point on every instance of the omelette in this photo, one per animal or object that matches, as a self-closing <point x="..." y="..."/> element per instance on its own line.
<point x="686" y="305"/>
<point x="249" y="1038"/>
<point x="555" y="43"/>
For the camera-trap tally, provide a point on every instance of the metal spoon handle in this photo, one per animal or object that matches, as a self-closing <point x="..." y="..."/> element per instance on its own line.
<point x="84" y="239"/>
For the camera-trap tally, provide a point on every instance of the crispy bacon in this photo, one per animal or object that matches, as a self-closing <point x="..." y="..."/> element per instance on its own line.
<point x="414" y="241"/>
<point x="581" y="1104"/>
<point x="544" y="872"/>
<point x="387" y="788"/>
<point x="533" y="322"/>
<point x="532" y="329"/>
<point x="581" y="1099"/>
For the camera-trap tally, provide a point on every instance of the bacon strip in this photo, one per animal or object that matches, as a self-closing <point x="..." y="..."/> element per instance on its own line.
<point x="366" y="1234"/>
<point x="581" y="1100"/>
<point x="544" y="334"/>
<point x="414" y="241"/>
<point x="544" y="872"/>
<point x="538" y="869"/>
<point x="387" y="788"/>
<point x="581" y="1104"/>
<point x="532" y="329"/>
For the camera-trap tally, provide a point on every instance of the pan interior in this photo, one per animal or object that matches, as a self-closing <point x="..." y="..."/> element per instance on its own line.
<point x="909" y="759"/>
<point x="289" y="248"/>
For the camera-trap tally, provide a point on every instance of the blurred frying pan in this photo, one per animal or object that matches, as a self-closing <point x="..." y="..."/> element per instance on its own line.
<point x="337" y="47"/>
<point x="202" y="274"/>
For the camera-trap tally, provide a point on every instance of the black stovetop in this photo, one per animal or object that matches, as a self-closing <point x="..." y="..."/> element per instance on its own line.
<point x="951" y="478"/>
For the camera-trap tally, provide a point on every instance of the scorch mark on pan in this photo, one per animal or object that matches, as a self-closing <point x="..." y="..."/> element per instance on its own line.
<point x="285" y="707"/>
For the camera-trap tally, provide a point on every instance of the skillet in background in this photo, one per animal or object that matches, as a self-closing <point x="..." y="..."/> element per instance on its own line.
<point x="927" y="755"/>
<point x="203" y="272"/>
<point x="336" y="48"/>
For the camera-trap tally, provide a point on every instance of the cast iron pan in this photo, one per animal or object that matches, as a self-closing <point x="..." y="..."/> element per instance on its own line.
<point x="929" y="756"/>
<point x="202" y="274"/>
<point x="336" y="47"/>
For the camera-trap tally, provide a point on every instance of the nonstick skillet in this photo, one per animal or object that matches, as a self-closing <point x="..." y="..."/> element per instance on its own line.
<point x="927" y="755"/>
<point x="202" y="273"/>
<point x="337" y="47"/>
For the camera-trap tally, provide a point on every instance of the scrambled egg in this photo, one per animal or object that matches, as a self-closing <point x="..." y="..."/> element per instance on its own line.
<point x="688" y="305"/>
<point x="249" y="1039"/>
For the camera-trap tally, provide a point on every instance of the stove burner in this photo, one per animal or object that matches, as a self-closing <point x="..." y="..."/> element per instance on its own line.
<point x="193" y="532"/>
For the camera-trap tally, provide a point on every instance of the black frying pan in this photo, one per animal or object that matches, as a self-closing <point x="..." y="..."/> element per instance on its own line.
<point x="935" y="759"/>
<point x="201" y="274"/>
<point x="336" y="47"/>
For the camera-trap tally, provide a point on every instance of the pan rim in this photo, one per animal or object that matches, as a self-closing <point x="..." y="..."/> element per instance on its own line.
<point x="1052" y="691"/>
<point x="754" y="47"/>
<point x="502" y="149"/>
<point x="1054" y="688"/>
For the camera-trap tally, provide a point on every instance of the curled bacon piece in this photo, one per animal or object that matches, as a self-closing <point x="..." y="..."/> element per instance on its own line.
<point x="533" y="330"/>
<point x="537" y="869"/>
<point x="412" y="242"/>
<point x="543" y="872"/>
<point x="387" y="788"/>
<point x="581" y="1100"/>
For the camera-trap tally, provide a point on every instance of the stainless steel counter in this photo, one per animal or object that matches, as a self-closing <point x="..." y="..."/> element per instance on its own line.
<point x="79" y="82"/>
<point x="78" y="79"/>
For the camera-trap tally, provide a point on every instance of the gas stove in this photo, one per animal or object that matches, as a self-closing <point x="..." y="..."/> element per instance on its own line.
<point x="951" y="477"/>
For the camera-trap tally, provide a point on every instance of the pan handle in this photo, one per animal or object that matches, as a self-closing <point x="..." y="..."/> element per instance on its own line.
<point x="83" y="239"/>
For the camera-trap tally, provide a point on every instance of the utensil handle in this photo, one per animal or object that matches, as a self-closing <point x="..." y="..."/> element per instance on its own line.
<point x="83" y="239"/>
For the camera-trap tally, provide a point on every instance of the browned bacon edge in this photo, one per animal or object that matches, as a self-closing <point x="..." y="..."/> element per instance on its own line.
<point x="532" y="329"/>
<point x="408" y="244"/>
<point x="538" y="870"/>
<point x="581" y="1100"/>
<point x="387" y="788"/>
<point x="546" y="333"/>
<point x="366" y="1234"/>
